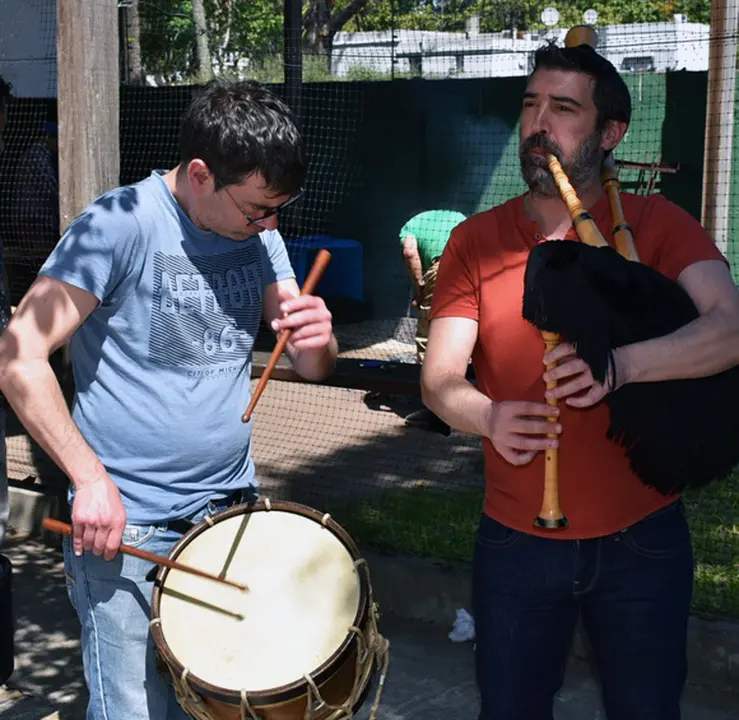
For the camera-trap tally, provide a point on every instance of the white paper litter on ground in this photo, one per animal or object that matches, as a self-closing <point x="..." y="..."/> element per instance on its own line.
<point x="464" y="627"/>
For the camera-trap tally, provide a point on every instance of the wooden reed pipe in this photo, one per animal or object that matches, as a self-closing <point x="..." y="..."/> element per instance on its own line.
<point x="583" y="221"/>
<point x="551" y="516"/>
<point x="66" y="529"/>
<point x="316" y="272"/>
<point x="622" y="234"/>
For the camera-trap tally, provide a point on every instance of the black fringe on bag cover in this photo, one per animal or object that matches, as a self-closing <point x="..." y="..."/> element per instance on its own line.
<point x="677" y="433"/>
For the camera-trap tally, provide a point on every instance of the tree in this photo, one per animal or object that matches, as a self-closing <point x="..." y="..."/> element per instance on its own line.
<point x="132" y="51"/>
<point x="175" y="35"/>
<point x="322" y="20"/>
<point x="205" y="63"/>
<point x="182" y="39"/>
<point x="498" y="15"/>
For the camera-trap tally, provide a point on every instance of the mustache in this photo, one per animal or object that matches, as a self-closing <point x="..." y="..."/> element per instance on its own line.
<point x="540" y="142"/>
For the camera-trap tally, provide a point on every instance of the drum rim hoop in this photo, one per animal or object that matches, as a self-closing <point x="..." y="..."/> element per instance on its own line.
<point x="284" y="693"/>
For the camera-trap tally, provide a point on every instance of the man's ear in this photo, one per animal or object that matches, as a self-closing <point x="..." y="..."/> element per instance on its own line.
<point x="202" y="180"/>
<point x="613" y="133"/>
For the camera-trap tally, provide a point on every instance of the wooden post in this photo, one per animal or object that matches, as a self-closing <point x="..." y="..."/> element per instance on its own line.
<point x="87" y="49"/>
<point x="293" y="34"/>
<point x="717" y="159"/>
<point x="88" y="99"/>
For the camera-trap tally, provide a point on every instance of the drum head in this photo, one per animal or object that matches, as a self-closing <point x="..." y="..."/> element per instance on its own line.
<point x="304" y="595"/>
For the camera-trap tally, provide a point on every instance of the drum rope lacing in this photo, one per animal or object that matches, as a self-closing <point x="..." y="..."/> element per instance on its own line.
<point x="372" y="648"/>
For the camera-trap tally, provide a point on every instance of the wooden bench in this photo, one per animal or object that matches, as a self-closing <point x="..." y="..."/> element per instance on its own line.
<point x="391" y="378"/>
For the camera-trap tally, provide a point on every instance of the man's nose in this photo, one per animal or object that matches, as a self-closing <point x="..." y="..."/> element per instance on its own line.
<point x="541" y="124"/>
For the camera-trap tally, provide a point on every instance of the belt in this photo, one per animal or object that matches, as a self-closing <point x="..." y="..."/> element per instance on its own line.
<point x="184" y="525"/>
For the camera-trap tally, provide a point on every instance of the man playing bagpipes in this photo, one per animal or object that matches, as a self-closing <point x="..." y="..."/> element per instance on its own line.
<point x="622" y="558"/>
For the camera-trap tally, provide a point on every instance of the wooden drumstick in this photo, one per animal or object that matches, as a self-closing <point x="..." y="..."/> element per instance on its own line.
<point x="66" y="529"/>
<point x="319" y="266"/>
<point x="551" y="516"/>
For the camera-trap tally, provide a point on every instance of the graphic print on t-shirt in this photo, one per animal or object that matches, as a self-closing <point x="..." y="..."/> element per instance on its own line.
<point x="205" y="309"/>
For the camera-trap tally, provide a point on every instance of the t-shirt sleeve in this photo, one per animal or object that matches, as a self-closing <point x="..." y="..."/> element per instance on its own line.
<point x="456" y="292"/>
<point x="278" y="265"/>
<point x="679" y="239"/>
<point x="97" y="250"/>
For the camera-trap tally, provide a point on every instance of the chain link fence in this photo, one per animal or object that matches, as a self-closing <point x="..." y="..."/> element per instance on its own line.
<point x="407" y="106"/>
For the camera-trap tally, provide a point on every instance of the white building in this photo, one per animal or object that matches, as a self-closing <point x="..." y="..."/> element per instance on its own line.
<point x="639" y="47"/>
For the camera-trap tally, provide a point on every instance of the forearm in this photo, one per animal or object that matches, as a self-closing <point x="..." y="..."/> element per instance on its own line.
<point x="706" y="346"/>
<point x="456" y="401"/>
<point x="415" y="271"/>
<point x="314" y="364"/>
<point x="33" y="392"/>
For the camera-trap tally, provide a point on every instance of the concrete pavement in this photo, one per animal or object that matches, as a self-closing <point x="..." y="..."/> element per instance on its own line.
<point x="430" y="677"/>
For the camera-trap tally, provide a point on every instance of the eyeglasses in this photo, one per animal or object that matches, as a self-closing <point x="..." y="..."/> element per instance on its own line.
<point x="267" y="213"/>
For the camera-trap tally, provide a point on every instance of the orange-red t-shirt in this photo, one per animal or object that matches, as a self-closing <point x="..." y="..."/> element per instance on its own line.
<point x="481" y="277"/>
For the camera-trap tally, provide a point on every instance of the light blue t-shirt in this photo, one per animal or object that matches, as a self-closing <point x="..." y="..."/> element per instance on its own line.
<point x="162" y="365"/>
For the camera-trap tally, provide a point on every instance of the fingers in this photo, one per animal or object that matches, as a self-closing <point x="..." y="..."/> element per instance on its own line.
<point x="517" y="458"/>
<point x="89" y="530"/>
<point x="522" y="430"/>
<point x="566" y="369"/>
<point x="535" y="409"/>
<point x="590" y="398"/>
<point x="113" y="543"/>
<point x="580" y="383"/>
<point x="305" y="319"/>
<point x="100" y="540"/>
<point x="103" y="539"/>
<point x="308" y="318"/>
<point x="534" y="427"/>
<point x="562" y="351"/>
<point x="98" y="519"/>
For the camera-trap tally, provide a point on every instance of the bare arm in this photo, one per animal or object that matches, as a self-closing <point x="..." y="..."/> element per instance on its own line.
<point x="516" y="429"/>
<point x="312" y="347"/>
<point x="45" y="319"/>
<point x="706" y="346"/>
<point x="444" y="387"/>
<point x="412" y="262"/>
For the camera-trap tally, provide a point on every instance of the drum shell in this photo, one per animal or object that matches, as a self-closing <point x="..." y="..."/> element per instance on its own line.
<point x="334" y="691"/>
<point x="335" y="678"/>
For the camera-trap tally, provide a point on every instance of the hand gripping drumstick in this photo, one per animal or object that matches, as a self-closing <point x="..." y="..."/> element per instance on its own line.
<point x="319" y="266"/>
<point x="65" y="529"/>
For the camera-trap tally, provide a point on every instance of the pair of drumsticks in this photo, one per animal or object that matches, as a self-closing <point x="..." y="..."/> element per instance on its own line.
<point x="316" y="272"/>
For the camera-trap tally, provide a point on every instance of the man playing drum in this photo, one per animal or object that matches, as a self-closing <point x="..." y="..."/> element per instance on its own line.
<point x="161" y="286"/>
<point x="624" y="564"/>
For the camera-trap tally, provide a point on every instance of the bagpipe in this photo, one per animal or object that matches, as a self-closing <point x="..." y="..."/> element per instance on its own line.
<point x="676" y="434"/>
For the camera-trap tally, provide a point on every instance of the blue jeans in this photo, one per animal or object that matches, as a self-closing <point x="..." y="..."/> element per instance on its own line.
<point x="112" y="600"/>
<point x="633" y="591"/>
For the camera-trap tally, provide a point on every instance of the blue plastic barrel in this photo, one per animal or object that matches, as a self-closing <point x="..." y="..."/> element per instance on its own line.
<point x="344" y="276"/>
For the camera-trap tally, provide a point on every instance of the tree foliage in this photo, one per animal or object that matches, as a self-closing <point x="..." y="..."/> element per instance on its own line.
<point x="251" y="31"/>
<point x="497" y="15"/>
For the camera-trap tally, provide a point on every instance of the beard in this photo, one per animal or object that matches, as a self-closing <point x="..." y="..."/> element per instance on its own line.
<point x="582" y="169"/>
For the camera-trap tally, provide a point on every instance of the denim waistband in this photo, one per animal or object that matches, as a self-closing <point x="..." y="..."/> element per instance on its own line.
<point x="237" y="497"/>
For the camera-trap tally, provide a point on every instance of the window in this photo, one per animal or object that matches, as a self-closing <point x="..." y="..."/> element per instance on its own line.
<point x="641" y="63"/>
